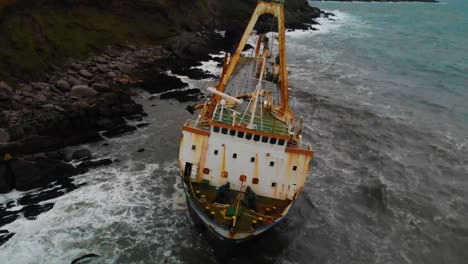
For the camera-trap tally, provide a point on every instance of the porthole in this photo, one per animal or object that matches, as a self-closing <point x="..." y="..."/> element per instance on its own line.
<point x="216" y="152"/>
<point x="252" y="159"/>
<point x="272" y="163"/>
<point x="294" y="168"/>
<point x="234" y="156"/>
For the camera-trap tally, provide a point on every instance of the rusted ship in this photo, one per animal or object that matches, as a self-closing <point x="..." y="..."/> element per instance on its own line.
<point x="242" y="161"/>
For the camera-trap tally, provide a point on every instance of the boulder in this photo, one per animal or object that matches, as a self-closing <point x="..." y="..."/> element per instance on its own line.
<point x="101" y="87"/>
<point x="81" y="154"/>
<point x="33" y="174"/>
<point x="4" y="136"/>
<point x="111" y="74"/>
<point x="40" y="97"/>
<point x="6" y="92"/>
<point x="5" y="87"/>
<point x="82" y="91"/>
<point x="63" y="85"/>
<point x="76" y="66"/>
<point x="85" y="73"/>
<point x="101" y="60"/>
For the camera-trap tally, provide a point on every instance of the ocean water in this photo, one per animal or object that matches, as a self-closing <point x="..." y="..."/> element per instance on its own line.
<point x="383" y="92"/>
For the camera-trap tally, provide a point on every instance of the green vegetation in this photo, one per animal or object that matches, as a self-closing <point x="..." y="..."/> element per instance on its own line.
<point x="34" y="35"/>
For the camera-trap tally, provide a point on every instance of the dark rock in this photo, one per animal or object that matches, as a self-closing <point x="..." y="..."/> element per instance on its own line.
<point x="5" y="87"/>
<point x="34" y="144"/>
<point x="81" y="154"/>
<point x="16" y="132"/>
<point x="82" y="137"/>
<point x="85" y="73"/>
<point x="131" y="109"/>
<point x="82" y="91"/>
<point x="40" y="97"/>
<point x="6" y="178"/>
<point x="31" y="212"/>
<point x="118" y="131"/>
<point x="33" y="174"/>
<point x="5" y="236"/>
<point x="141" y="150"/>
<point x="76" y="66"/>
<point x="94" y="163"/>
<point x="156" y="82"/>
<point x="141" y="125"/>
<point x="63" y="85"/>
<point x="57" y="155"/>
<point x="100" y="87"/>
<point x="182" y="96"/>
<point x="4" y="136"/>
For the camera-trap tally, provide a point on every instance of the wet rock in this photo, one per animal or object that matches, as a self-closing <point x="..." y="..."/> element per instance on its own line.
<point x="63" y="85"/>
<point x="76" y="66"/>
<point x="85" y="73"/>
<point x="16" y="132"/>
<point x="101" y="87"/>
<point x="101" y="60"/>
<point x="111" y="74"/>
<point x="157" y="82"/>
<point x="5" y="91"/>
<point x="6" y="178"/>
<point x="82" y="91"/>
<point x="141" y="125"/>
<point x="141" y="150"/>
<point x="33" y="144"/>
<point x="4" y="136"/>
<point x="182" y="96"/>
<point x="31" y="212"/>
<point x="81" y="154"/>
<point x="40" y="97"/>
<point x="33" y="174"/>
<point x="118" y="131"/>
<point x="374" y="192"/>
<point x="5" y="236"/>
<point x="94" y="163"/>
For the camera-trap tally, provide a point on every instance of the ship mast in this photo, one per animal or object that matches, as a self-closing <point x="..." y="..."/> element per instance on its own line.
<point x="282" y="111"/>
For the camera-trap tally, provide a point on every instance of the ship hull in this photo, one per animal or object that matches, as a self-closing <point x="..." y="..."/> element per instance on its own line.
<point x="220" y="234"/>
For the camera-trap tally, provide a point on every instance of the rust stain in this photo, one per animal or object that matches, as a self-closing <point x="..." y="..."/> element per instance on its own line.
<point x="307" y="152"/>
<point x="196" y="131"/>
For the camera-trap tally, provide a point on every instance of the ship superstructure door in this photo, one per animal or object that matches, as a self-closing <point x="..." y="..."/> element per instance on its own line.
<point x="191" y="171"/>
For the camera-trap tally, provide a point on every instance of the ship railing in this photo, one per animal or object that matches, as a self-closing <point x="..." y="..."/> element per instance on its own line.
<point x="260" y="124"/>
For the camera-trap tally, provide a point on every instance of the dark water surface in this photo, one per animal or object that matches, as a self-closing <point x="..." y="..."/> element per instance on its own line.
<point x="384" y="102"/>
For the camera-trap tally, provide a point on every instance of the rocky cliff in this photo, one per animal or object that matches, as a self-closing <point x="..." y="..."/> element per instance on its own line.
<point x="37" y="35"/>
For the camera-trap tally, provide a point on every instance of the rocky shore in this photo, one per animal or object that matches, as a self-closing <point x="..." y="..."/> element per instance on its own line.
<point x="91" y="100"/>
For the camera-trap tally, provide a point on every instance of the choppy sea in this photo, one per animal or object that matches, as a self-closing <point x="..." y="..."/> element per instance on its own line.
<point x="383" y="90"/>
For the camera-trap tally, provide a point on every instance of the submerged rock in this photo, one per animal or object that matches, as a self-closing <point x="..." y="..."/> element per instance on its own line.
<point x="81" y="154"/>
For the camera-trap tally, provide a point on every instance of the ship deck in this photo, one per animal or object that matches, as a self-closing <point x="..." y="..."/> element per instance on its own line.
<point x="267" y="209"/>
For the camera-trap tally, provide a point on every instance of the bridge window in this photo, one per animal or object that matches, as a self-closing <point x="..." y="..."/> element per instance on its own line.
<point x="224" y="131"/>
<point x="240" y="134"/>
<point x="281" y="142"/>
<point x="232" y="132"/>
<point x="216" y="129"/>
<point x="256" y="137"/>
<point x="265" y="139"/>
<point x="248" y="136"/>
<point x="273" y="140"/>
